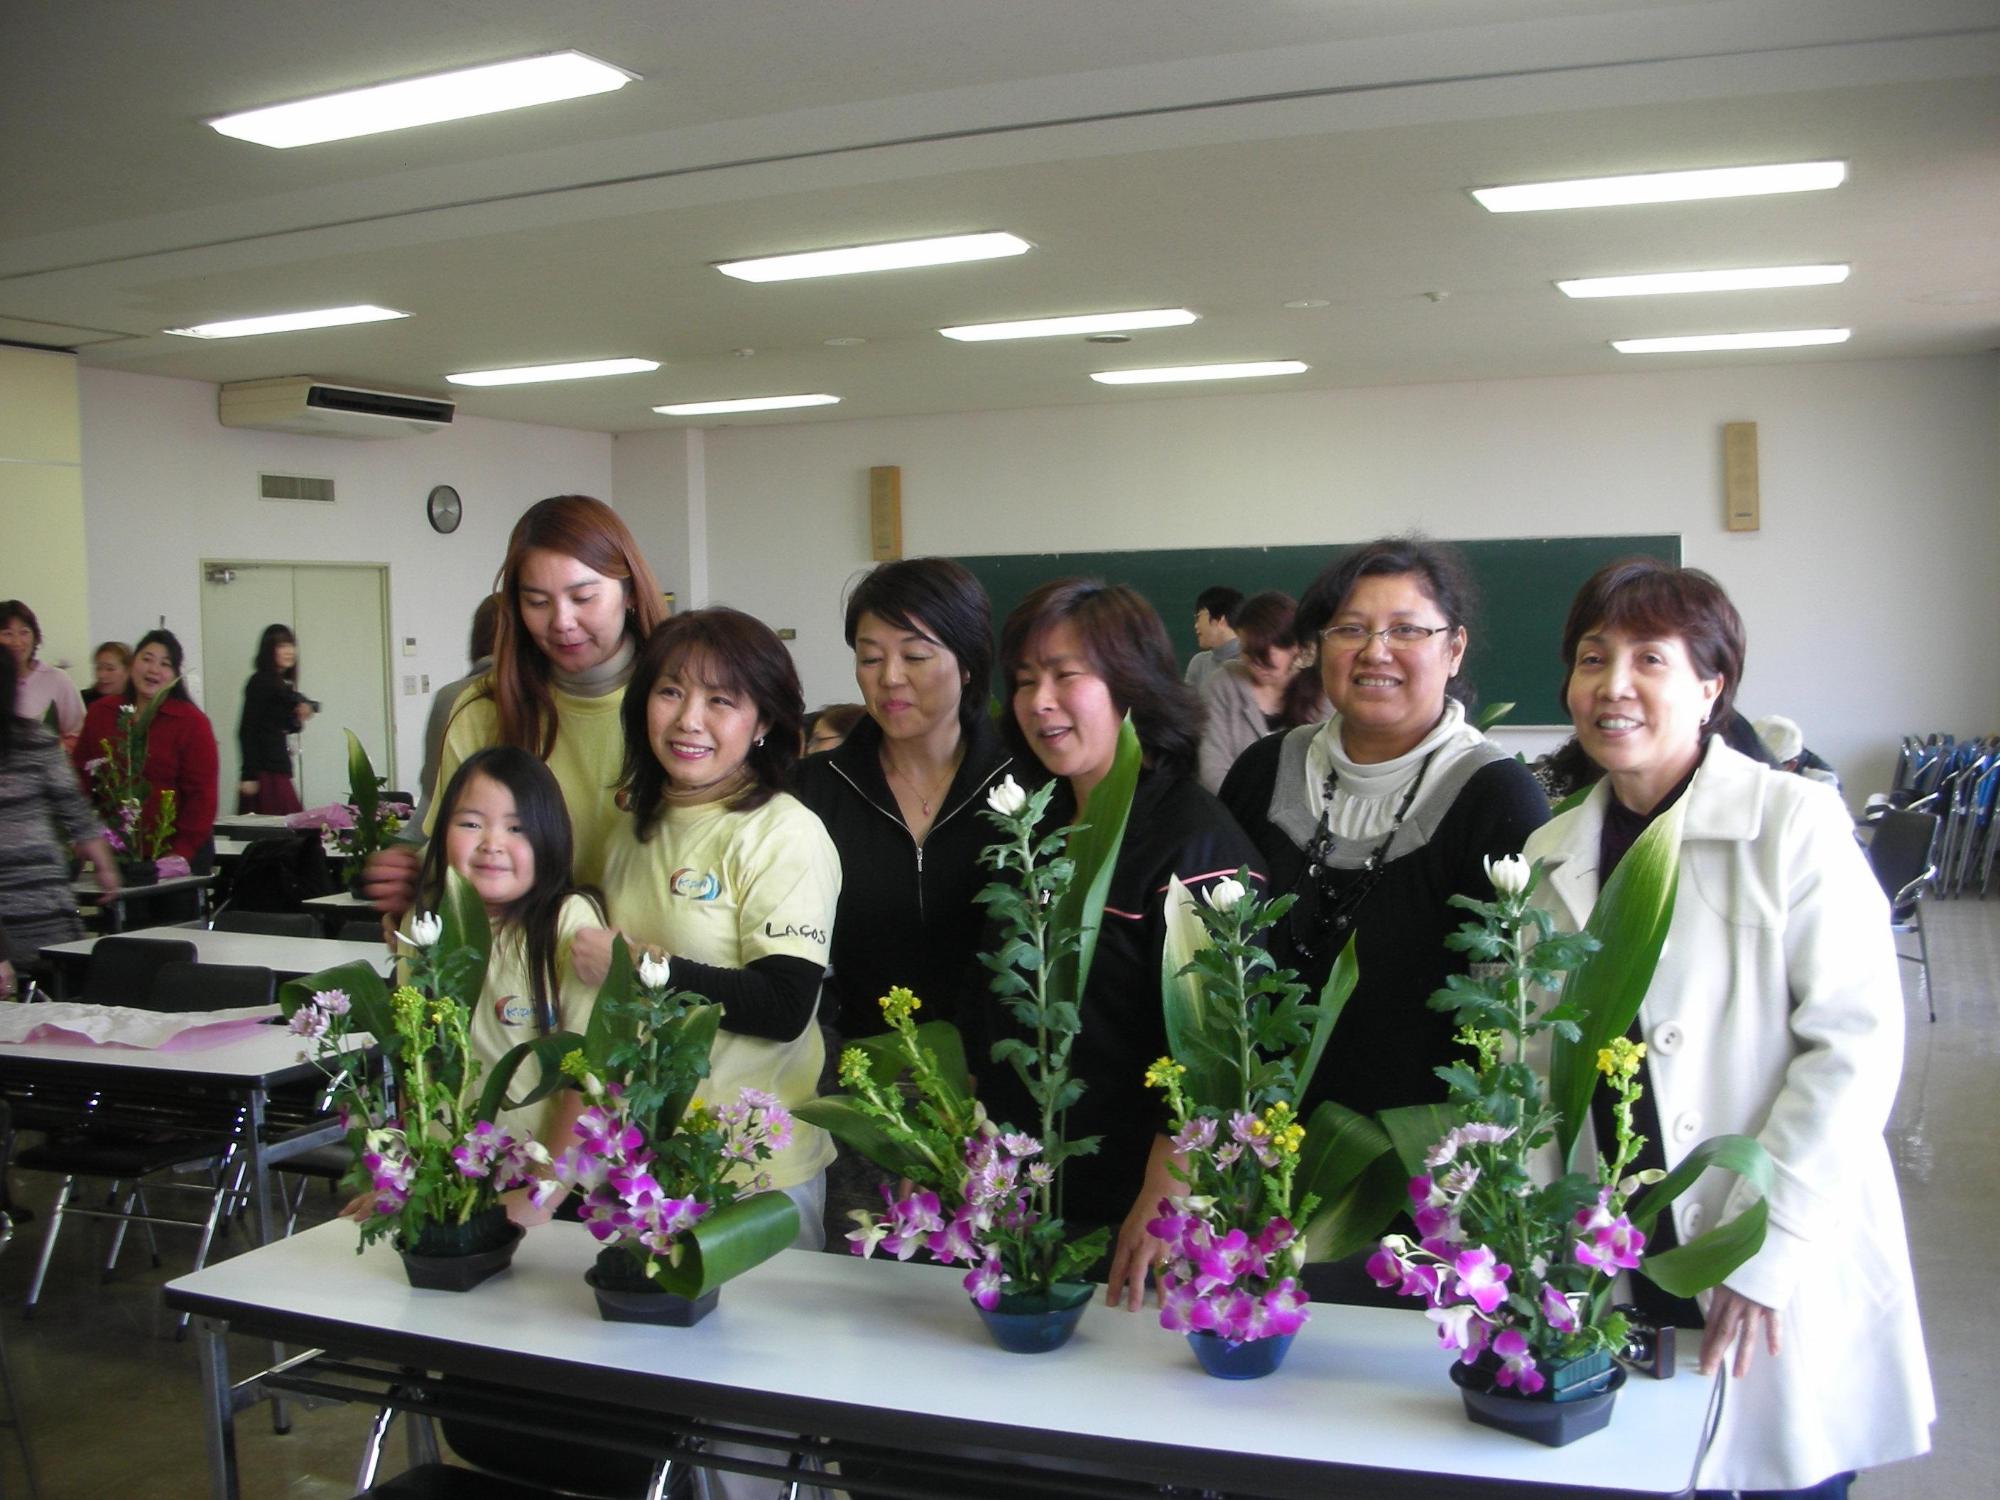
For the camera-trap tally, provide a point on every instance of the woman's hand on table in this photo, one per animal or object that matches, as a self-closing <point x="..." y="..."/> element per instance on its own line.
<point x="1135" y="1252"/>
<point x="389" y="879"/>
<point x="103" y="865"/>
<point x="1733" y="1318"/>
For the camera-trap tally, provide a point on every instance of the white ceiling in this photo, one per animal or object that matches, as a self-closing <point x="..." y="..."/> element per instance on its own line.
<point x="1225" y="155"/>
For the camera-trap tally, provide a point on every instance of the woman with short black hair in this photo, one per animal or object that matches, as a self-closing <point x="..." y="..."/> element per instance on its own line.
<point x="1081" y="655"/>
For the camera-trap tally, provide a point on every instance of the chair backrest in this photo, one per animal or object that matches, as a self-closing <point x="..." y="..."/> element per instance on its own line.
<point x="293" y="924"/>
<point x="276" y="875"/>
<point x="1902" y="848"/>
<point x="122" y="969"/>
<point x="198" y="986"/>
<point x="361" y="931"/>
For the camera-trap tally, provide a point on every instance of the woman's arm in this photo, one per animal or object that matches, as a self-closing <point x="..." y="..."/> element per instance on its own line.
<point x="195" y="769"/>
<point x="1135" y="1252"/>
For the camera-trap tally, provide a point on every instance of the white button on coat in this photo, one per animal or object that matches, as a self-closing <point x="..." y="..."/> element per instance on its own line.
<point x="1667" y="1038"/>
<point x="1688" y="1125"/>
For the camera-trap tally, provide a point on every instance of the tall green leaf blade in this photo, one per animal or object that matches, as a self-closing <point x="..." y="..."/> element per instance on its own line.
<point x="466" y="932"/>
<point x="611" y="1023"/>
<point x="1200" y="1033"/>
<point x="1333" y="998"/>
<point x="1349" y="1164"/>
<point x="729" y="1241"/>
<point x="1630" y="921"/>
<point x="1741" y="1154"/>
<point x="364" y="788"/>
<point x="1094" y="850"/>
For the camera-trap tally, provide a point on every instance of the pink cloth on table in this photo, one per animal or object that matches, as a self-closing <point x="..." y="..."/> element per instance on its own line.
<point x="332" y="815"/>
<point x="171" y="868"/>
<point x="224" y="1028"/>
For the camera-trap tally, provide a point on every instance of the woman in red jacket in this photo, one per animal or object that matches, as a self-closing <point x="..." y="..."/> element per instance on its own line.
<point x="180" y="746"/>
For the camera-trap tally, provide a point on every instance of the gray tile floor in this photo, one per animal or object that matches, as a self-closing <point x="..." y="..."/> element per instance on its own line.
<point x="110" y="1398"/>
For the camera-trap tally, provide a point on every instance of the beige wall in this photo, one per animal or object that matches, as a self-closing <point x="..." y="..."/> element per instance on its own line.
<point x="42" y="559"/>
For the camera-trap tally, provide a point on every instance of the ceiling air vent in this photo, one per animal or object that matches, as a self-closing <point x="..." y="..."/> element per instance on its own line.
<point x="324" y="408"/>
<point x="311" y="487"/>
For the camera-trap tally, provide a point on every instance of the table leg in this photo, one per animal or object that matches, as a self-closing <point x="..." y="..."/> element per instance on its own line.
<point x="260" y="1197"/>
<point x="218" y="1426"/>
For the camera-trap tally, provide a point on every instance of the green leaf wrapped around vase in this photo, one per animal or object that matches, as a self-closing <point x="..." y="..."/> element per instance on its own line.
<point x="981" y="1193"/>
<point x="1518" y="1273"/>
<point x="673" y="1190"/>
<point x="430" y="1161"/>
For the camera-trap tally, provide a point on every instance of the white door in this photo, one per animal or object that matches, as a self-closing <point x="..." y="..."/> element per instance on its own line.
<point x="340" y="616"/>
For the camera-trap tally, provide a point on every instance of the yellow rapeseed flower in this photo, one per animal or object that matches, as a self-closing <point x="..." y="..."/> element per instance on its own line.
<point x="853" y="1067"/>
<point x="1163" y="1072"/>
<point x="1621" y="1059"/>
<point x="899" y="1004"/>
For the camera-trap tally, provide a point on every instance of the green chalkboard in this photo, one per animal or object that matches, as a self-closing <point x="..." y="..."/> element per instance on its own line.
<point x="1525" y="587"/>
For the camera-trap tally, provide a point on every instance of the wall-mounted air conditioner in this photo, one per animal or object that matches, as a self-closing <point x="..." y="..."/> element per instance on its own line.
<point x="321" y="408"/>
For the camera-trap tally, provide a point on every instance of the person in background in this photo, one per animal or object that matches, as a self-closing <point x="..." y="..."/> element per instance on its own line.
<point x="1214" y="608"/>
<point x="180" y="753"/>
<point x="1786" y="743"/>
<point x="1082" y="654"/>
<point x="577" y="598"/>
<point x="1256" y="694"/>
<point x="828" y="728"/>
<point x="111" y="671"/>
<point x="901" y="800"/>
<point x="479" y="652"/>
<point x="1377" y="818"/>
<point x="273" y="710"/>
<point x="40" y="692"/>
<point x="1776" y="1011"/>
<point x="42" y="815"/>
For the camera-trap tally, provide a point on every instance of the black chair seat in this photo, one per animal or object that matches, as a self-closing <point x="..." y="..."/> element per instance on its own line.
<point x="120" y="1155"/>
<point x="449" y="1482"/>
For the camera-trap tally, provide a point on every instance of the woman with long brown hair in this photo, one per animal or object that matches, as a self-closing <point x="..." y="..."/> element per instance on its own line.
<point x="577" y="600"/>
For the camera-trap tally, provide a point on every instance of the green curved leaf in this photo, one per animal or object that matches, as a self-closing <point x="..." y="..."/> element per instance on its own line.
<point x="614" y="1023"/>
<point x="1415" y="1128"/>
<point x="364" y="788"/>
<point x="367" y="994"/>
<point x="1348" y="1163"/>
<point x="729" y="1241"/>
<point x="467" y="938"/>
<point x="1630" y="921"/>
<point x="1707" y="1259"/>
<point x="1094" y="850"/>
<point x="841" y="1118"/>
<point x="549" y="1050"/>
<point x="1492" y="714"/>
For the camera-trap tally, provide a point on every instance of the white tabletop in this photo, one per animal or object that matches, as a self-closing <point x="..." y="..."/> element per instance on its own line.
<point x="338" y="901"/>
<point x="232" y="821"/>
<point x="1362" y="1386"/>
<point x="283" y="955"/>
<point x="273" y="1050"/>
<point x="88" y="890"/>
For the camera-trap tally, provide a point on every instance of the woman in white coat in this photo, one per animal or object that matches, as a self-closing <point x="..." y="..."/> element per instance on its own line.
<point x="1776" y="1012"/>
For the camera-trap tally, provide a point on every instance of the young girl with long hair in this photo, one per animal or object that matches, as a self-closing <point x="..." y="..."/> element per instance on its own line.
<point x="502" y="828"/>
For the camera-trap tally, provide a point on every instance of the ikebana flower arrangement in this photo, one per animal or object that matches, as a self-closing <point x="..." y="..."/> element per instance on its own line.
<point x="372" y="823"/>
<point x="1245" y="1043"/>
<point x="1516" y="1273"/>
<point x="119" y="791"/>
<point x="672" y="1190"/>
<point x="986" y="1194"/>
<point x="430" y="1163"/>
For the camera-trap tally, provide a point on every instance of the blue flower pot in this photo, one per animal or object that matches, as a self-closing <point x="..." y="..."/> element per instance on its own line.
<point x="1252" y="1359"/>
<point x="1029" y="1324"/>
<point x="1537" y="1418"/>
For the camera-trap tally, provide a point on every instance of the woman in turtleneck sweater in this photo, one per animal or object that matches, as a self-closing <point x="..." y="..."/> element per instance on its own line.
<point x="1379" y="816"/>
<point x="577" y="599"/>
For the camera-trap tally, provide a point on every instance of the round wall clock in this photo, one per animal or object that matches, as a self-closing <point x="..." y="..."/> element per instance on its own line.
<point x="444" y="509"/>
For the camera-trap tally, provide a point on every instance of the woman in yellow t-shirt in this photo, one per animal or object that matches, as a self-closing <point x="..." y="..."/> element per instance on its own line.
<point x="577" y="599"/>
<point x="724" y="874"/>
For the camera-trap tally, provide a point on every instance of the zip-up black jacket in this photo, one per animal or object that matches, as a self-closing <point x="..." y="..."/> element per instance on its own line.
<point x="906" y="914"/>
<point x="1176" y="828"/>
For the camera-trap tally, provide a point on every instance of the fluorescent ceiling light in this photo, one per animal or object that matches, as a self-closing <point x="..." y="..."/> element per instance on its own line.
<point x="325" y="317"/>
<point x="1042" y="328"/>
<point x="457" y="95"/>
<point x="588" y="369"/>
<point x="897" y="255"/>
<point x="1795" y="338"/>
<point x="1664" y="187"/>
<point x="1703" y="281"/>
<point x="747" y="403"/>
<point x="1200" y="372"/>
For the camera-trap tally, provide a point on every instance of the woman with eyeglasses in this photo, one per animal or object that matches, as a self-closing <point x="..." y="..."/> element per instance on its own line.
<point x="1376" y="818"/>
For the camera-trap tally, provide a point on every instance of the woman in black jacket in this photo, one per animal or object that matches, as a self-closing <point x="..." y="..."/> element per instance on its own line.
<point x="1082" y="654"/>
<point x="273" y="707"/>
